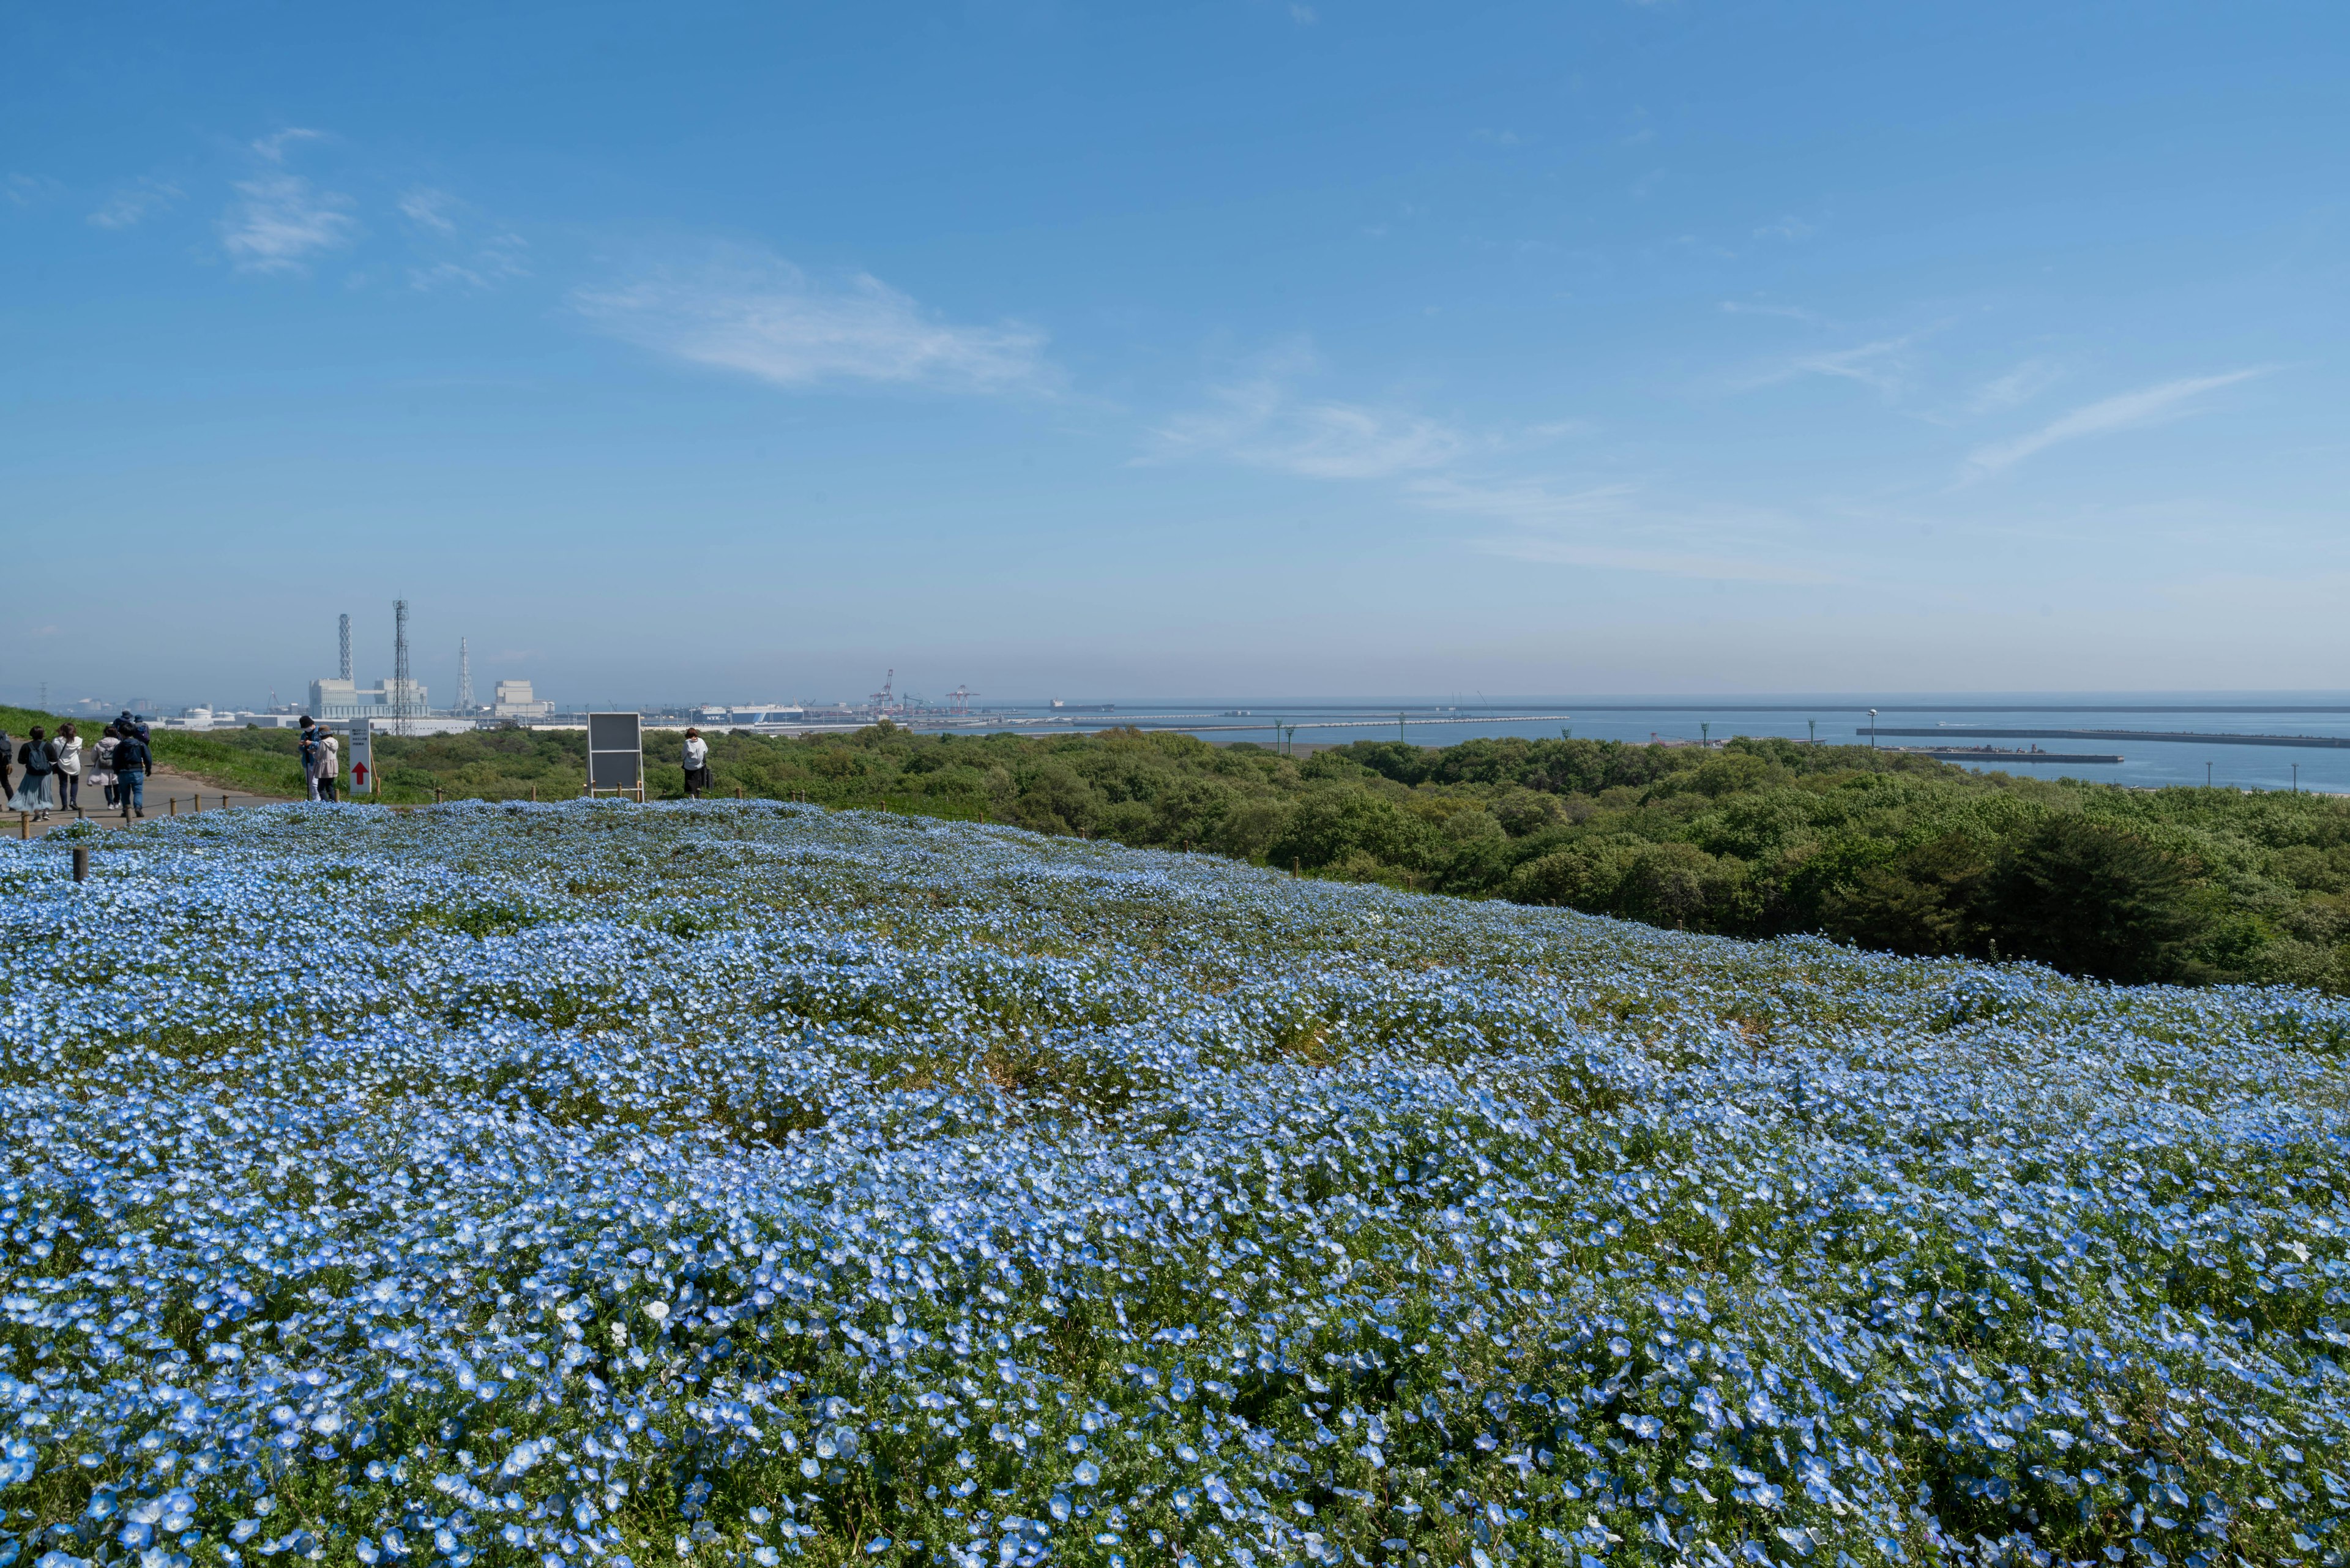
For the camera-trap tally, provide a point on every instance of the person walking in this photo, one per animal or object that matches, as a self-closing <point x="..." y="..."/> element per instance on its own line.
<point x="132" y="761"/>
<point x="331" y="766"/>
<point x="68" y="767"/>
<point x="36" y="791"/>
<point x="697" y="764"/>
<point x="7" y="761"/>
<point x="101" y="757"/>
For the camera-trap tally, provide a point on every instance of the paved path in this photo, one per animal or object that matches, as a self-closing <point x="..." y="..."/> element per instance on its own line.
<point x="168" y="795"/>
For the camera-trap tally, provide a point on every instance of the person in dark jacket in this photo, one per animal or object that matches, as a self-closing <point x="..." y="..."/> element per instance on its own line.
<point x="132" y="762"/>
<point x="37" y="792"/>
<point x="7" y="757"/>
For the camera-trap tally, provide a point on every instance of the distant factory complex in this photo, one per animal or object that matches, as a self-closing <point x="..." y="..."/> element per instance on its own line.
<point x="400" y="703"/>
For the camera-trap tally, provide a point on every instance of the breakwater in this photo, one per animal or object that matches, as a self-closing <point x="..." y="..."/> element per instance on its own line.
<point x="2186" y="737"/>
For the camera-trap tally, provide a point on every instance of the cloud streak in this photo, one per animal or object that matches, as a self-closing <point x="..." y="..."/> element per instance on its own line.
<point x="280" y="222"/>
<point x="440" y="222"/>
<point x="2148" y="405"/>
<point x="1260" y="421"/>
<point x="128" y="207"/>
<point x="1260" y="424"/>
<point x="1605" y="526"/>
<point x="763" y="318"/>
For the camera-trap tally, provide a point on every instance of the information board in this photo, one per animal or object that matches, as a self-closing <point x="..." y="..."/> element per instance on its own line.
<point x="362" y="757"/>
<point x="616" y="754"/>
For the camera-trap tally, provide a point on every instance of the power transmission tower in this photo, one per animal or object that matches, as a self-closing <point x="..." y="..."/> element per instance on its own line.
<point x="464" y="677"/>
<point x="400" y="667"/>
<point x="347" y="648"/>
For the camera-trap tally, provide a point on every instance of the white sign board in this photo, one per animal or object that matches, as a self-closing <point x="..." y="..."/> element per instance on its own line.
<point x="362" y="765"/>
<point x="616" y="754"/>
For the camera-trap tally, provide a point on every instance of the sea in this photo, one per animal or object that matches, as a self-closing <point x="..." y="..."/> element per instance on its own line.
<point x="2162" y="738"/>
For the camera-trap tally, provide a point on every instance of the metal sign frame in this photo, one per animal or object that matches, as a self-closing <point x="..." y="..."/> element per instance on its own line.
<point x="616" y="754"/>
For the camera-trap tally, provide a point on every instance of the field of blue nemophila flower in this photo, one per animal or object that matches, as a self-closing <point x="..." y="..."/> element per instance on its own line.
<point x="713" y="1183"/>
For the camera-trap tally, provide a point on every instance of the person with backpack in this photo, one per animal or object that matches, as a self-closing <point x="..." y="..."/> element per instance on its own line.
<point x="697" y="764"/>
<point x="101" y="757"/>
<point x="132" y="762"/>
<point x="37" y="793"/>
<point x="331" y="766"/>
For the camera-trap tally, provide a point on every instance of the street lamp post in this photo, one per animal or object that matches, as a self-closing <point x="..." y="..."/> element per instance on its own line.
<point x="1872" y="729"/>
<point x="1705" y="732"/>
<point x="2207" y="775"/>
<point x="1814" y="724"/>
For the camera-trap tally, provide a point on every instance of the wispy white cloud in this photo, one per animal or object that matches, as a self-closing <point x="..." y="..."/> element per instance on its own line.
<point x="280" y="220"/>
<point x="1789" y="227"/>
<point x="446" y="231"/>
<point x="273" y="146"/>
<point x="2148" y="405"/>
<point x="1879" y="365"/>
<point x="1261" y="422"/>
<point x="1302" y="16"/>
<point x="765" y="317"/>
<point x="26" y="190"/>
<point x="1608" y="526"/>
<point x="1882" y="365"/>
<point x="430" y="209"/>
<point x="494" y="263"/>
<point x="128" y="206"/>
<point x="2019" y="386"/>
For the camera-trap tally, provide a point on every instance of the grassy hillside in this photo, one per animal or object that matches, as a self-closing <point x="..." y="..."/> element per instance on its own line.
<point x="730" y="1184"/>
<point x="1760" y="837"/>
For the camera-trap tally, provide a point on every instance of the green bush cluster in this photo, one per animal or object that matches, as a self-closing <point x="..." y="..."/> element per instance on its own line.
<point x="1756" y="837"/>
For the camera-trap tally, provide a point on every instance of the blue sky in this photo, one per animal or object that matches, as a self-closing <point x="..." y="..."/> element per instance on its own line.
<point x="741" y="352"/>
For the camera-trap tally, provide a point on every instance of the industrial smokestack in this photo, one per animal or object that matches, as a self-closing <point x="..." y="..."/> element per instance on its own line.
<point x="400" y="667"/>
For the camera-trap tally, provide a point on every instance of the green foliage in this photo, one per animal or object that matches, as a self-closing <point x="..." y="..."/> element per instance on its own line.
<point x="1756" y="837"/>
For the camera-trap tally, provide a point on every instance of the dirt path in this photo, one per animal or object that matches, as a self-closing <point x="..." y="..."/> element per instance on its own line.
<point x="168" y="795"/>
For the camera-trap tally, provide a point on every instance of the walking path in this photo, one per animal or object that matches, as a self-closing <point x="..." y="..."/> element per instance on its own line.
<point x="168" y="795"/>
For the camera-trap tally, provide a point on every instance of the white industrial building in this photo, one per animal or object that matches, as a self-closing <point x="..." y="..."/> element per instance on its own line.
<point x="514" y="699"/>
<point x="343" y="699"/>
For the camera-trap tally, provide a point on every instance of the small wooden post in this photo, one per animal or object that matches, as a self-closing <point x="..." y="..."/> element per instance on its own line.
<point x="24" y="825"/>
<point x="171" y="805"/>
<point x="738" y="792"/>
<point x="534" y="795"/>
<point x="1296" y="865"/>
<point x="436" y="794"/>
<point x="81" y="862"/>
<point x="224" y="802"/>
